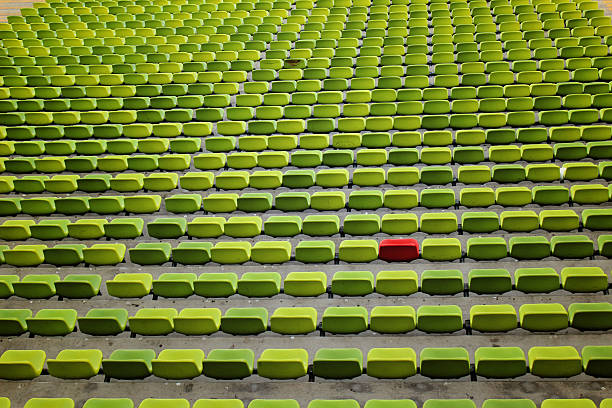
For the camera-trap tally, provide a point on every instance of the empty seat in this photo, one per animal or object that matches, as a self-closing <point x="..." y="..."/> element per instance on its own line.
<point x="21" y="364"/>
<point x="590" y="316"/>
<point x="352" y="283"/>
<point x="344" y="320"/>
<point x="129" y="364"/>
<point x="392" y="319"/>
<point x="153" y="322"/>
<point x="259" y="284"/>
<point x="338" y="363"/>
<point x="282" y="363"/>
<point x="248" y="320"/>
<point x="197" y="321"/>
<point x="543" y="317"/>
<point x="391" y="362"/>
<point x="130" y="285"/>
<point x="103" y="322"/>
<point x="554" y="362"/>
<point x="74" y="364"/>
<point x="486" y="281"/>
<point x="493" y="318"/>
<point x="52" y="322"/>
<point x="294" y="320"/>
<point x="216" y="284"/>
<point x="452" y="362"/>
<point x="178" y="364"/>
<point x="500" y="362"/>
<point x="584" y="279"/>
<point x="36" y="286"/>
<point x="229" y="364"/>
<point x="305" y="283"/>
<point x="439" y="319"/>
<point x="536" y="280"/>
<point x="596" y="361"/>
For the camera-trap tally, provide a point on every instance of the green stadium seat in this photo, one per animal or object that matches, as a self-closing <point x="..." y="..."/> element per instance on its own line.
<point x="305" y="283"/>
<point x="282" y="363"/>
<point x="52" y="322"/>
<point x="14" y="321"/>
<point x="231" y="252"/>
<point x="174" y="285"/>
<point x="584" y="279"/>
<point x="127" y="364"/>
<point x="536" y="280"/>
<point x="167" y="227"/>
<point x="554" y="362"/>
<point x="220" y="203"/>
<point x="438" y="223"/>
<point x="392" y="319"/>
<point x="550" y="195"/>
<point x="441" y="249"/>
<point x="229" y="364"/>
<point x="130" y="285"/>
<point x="442" y="282"/>
<point x="79" y="286"/>
<point x="198" y="321"/>
<point x="87" y="228"/>
<point x="500" y="362"/>
<point x="451" y="362"/>
<point x="294" y="320"/>
<point x="529" y="247"/>
<point x="439" y="319"/>
<point x="142" y="204"/>
<point x="21" y="364"/>
<point x="571" y="246"/>
<point x="488" y="281"/>
<point x="178" y="364"/>
<point x="244" y="321"/>
<point x="582" y="403"/>
<point x="6" y="285"/>
<point x="590" y="316"/>
<point x="75" y="364"/>
<point x="493" y="318"/>
<point x="36" y="286"/>
<point x="358" y="250"/>
<point x="543" y="317"/>
<point x="216" y="284"/>
<point x="361" y="224"/>
<point x="338" y="363"/>
<point x="153" y="321"/>
<point x="259" y="284"/>
<point x="353" y="283"/>
<point x="103" y="322"/>
<point x="589" y="194"/>
<point x="508" y="403"/>
<point x="437" y="198"/>
<point x="345" y="320"/>
<point x="479" y="222"/>
<point x="124" y="228"/>
<point x="283" y="226"/>
<point x="596" y="361"/>
<point x="50" y="402"/>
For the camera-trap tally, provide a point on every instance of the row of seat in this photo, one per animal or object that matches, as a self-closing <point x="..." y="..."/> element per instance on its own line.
<point x="539" y="317"/>
<point x="394" y="363"/>
<point x="311" y="225"/>
<point x="438" y="118"/>
<point x="320" y="251"/>
<point x="574" y="171"/>
<point x="300" y="201"/>
<point x="316" y="403"/>
<point x="344" y="283"/>
<point x="439" y="174"/>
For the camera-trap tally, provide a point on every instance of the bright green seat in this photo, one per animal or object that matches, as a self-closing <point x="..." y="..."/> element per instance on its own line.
<point x="590" y="316"/>
<point x="243" y="321"/>
<point x="596" y="361"/>
<point x="354" y="251"/>
<point x="259" y="284"/>
<point x="21" y="364"/>
<point x="543" y="317"/>
<point x="338" y="363"/>
<point x="554" y="362"/>
<point x="321" y="225"/>
<point x="231" y="252"/>
<point x="24" y="255"/>
<point x="129" y="364"/>
<point x="87" y="228"/>
<point x="272" y="403"/>
<point x="229" y="364"/>
<point x="391" y="362"/>
<point x="399" y="224"/>
<point x="451" y="362"/>
<point x="183" y="203"/>
<point x="365" y="200"/>
<point x="294" y="320"/>
<point x="197" y="321"/>
<point x="176" y="364"/>
<point x="571" y="246"/>
<point x="75" y="364"/>
<point x="335" y="403"/>
<point x="519" y="221"/>
<point x="438" y="223"/>
<point x="493" y="318"/>
<point x="124" y="228"/>
<point x="16" y="230"/>
<point x="489" y="281"/>
<point x="352" y="283"/>
<point x="392" y="319"/>
<point x="361" y="224"/>
<point x="151" y="253"/>
<point x="567" y="403"/>
<point x="441" y="282"/>
<point x="130" y="285"/>
<point x="441" y="249"/>
<point x="220" y="203"/>
<point x="79" y="286"/>
<point x="439" y="319"/>
<point x="395" y="403"/>
<point x="216" y="284"/>
<point x="529" y="247"/>
<point x="305" y="283"/>
<point x="584" y="279"/>
<point x="282" y="363"/>
<point x="14" y="321"/>
<point x="36" y="286"/>
<point x="437" y="198"/>
<point x="241" y="226"/>
<point x="536" y="280"/>
<point x="197" y="181"/>
<point x="153" y="322"/>
<point x="315" y="251"/>
<point x="107" y="204"/>
<point x="344" y="320"/>
<point x="142" y="204"/>
<point x="103" y="322"/>
<point x="167" y="227"/>
<point x="292" y="201"/>
<point x="508" y="403"/>
<point x="206" y="227"/>
<point x="500" y="362"/>
<point x="283" y="226"/>
<point x="173" y="285"/>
